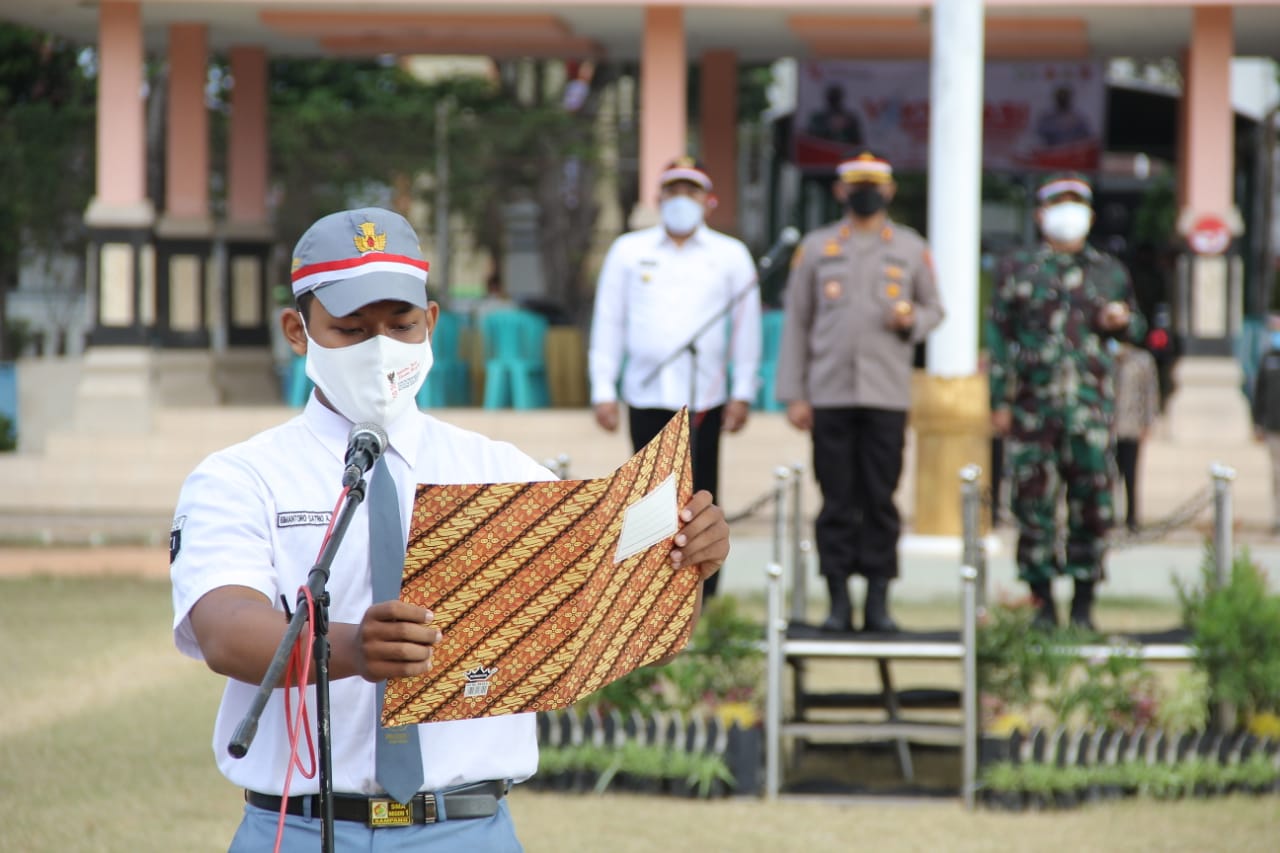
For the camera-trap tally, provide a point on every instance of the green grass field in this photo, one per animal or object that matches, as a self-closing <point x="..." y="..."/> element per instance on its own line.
<point x="105" y="746"/>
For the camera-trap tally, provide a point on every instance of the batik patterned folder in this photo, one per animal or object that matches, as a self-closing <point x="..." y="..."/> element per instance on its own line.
<point x="522" y="580"/>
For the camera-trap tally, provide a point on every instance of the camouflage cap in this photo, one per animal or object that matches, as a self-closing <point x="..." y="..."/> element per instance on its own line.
<point x="1064" y="183"/>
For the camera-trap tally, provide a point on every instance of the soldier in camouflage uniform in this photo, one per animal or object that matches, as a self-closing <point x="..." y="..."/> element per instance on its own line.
<point x="1053" y="310"/>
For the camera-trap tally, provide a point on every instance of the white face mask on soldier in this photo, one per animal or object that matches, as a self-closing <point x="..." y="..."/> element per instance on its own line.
<point x="1068" y="222"/>
<point x="372" y="381"/>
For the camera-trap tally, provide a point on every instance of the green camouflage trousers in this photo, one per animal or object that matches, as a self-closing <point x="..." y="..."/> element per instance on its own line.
<point x="1045" y="460"/>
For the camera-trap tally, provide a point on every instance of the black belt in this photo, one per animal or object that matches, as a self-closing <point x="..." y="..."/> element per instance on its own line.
<point x="467" y="801"/>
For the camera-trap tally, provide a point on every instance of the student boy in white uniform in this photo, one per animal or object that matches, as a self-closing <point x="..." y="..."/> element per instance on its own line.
<point x="249" y="525"/>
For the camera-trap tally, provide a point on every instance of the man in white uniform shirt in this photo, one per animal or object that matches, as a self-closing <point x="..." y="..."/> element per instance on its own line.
<point x="658" y="288"/>
<point x="249" y="526"/>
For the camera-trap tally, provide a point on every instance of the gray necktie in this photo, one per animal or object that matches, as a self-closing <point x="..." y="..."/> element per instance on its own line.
<point x="397" y="758"/>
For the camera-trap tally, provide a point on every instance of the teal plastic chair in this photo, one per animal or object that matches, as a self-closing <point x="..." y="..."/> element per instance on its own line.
<point x="448" y="382"/>
<point x="515" y="366"/>
<point x="9" y="399"/>
<point x="771" y="340"/>
<point x="298" y="388"/>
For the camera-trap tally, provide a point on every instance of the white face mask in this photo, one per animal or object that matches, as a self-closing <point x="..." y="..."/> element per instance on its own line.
<point x="1068" y="222"/>
<point x="372" y="381"/>
<point x="681" y="215"/>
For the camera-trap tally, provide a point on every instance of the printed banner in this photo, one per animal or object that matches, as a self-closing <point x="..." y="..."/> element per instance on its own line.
<point x="1038" y="116"/>
<point x="533" y="587"/>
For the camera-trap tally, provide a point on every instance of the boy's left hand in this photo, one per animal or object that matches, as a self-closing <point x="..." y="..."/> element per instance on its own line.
<point x="703" y="538"/>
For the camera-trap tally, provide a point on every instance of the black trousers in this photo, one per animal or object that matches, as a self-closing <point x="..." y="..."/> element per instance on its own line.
<point x="857" y="457"/>
<point x="647" y="423"/>
<point x="1127" y="462"/>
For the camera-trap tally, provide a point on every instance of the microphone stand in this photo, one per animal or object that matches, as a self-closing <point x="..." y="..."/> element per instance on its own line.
<point x="690" y="347"/>
<point x="248" y="727"/>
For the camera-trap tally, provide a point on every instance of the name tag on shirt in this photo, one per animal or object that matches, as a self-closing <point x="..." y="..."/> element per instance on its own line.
<point x="303" y="518"/>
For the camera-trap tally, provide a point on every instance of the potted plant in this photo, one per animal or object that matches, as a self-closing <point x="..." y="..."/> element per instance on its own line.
<point x="1040" y="782"/>
<point x="1004" y="786"/>
<point x="1235" y="630"/>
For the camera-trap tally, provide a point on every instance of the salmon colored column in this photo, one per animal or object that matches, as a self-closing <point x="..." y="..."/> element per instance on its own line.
<point x="187" y="132"/>
<point x="718" y="132"/>
<point x="1207" y="131"/>
<point x="663" y="78"/>
<point x="247" y="147"/>
<point x="120" y="196"/>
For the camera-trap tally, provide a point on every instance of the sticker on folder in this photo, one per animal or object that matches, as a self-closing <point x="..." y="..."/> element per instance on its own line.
<point x="648" y="521"/>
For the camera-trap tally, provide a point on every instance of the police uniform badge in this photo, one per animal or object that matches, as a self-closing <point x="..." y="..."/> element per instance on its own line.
<point x="892" y="290"/>
<point x="831" y="248"/>
<point x="832" y="289"/>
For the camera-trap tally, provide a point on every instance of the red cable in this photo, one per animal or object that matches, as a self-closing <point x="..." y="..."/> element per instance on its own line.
<point x="297" y="674"/>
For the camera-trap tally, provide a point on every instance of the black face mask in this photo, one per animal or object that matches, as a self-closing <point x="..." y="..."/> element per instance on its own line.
<point x="865" y="201"/>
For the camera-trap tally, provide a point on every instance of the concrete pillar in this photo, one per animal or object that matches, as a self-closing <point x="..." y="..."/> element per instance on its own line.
<point x="663" y="105"/>
<point x="1209" y="301"/>
<point x="119" y="216"/>
<point x="718" y="133"/>
<point x="248" y="313"/>
<point x="950" y="412"/>
<point x="115" y="392"/>
<point x="184" y="232"/>
<point x="247" y="172"/>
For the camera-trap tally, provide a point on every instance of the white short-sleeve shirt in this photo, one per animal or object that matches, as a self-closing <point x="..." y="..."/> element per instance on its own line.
<point x="255" y="514"/>
<point x="652" y="297"/>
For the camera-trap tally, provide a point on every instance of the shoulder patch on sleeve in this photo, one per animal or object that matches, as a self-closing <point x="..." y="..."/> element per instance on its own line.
<point x="175" y="537"/>
<point x="797" y="256"/>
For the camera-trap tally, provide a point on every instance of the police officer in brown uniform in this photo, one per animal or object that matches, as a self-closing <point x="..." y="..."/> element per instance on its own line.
<point x="860" y="296"/>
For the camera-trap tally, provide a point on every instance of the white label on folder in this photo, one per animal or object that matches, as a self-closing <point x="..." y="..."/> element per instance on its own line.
<point x="648" y="521"/>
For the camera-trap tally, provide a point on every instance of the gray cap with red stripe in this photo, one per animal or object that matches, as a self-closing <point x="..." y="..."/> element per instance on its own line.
<point x="352" y="258"/>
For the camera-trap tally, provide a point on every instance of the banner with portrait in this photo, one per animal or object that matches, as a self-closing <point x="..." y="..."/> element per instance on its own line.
<point x="1038" y="116"/>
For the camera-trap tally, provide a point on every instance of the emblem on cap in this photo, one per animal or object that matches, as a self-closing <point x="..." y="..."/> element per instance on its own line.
<point x="369" y="240"/>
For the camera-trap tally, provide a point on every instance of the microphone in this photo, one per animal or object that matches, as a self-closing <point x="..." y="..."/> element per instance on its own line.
<point x="365" y="444"/>
<point x="788" y="238"/>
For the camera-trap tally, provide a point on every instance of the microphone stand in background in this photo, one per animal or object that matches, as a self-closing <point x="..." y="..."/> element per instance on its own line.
<point x="786" y="240"/>
<point x="316" y="580"/>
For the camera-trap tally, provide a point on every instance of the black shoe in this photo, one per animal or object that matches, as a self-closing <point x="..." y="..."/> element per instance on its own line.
<point x="875" y="615"/>
<point x="840" y="618"/>
<point x="1082" y="606"/>
<point x="1046" y="618"/>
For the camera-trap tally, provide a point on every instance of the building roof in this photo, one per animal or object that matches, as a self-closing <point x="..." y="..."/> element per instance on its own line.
<point x="757" y="30"/>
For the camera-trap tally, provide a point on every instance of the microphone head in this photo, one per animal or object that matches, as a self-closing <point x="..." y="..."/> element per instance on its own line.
<point x="369" y="432"/>
<point x="789" y="236"/>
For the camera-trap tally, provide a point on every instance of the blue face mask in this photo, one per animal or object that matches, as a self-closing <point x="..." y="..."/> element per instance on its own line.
<point x="1275" y="339"/>
<point x="681" y="215"/>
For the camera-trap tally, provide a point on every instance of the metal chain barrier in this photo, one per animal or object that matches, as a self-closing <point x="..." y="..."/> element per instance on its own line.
<point x="1182" y="516"/>
<point x="763" y="502"/>
<point x="1153" y="531"/>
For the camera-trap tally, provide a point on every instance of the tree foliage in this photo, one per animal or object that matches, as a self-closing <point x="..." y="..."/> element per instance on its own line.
<point x="46" y="151"/>
<point x="344" y="131"/>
